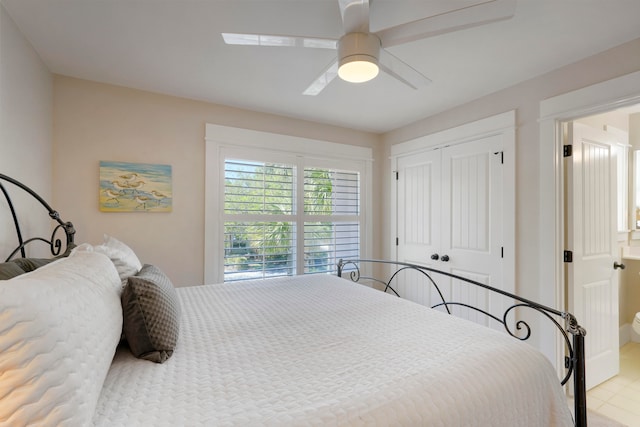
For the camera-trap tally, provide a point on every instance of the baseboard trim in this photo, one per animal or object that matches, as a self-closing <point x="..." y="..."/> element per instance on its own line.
<point x="627" y="334"/>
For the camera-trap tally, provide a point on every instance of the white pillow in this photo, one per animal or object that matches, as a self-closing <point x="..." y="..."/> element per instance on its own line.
<point x="122" y="256"/>
<point x="60" y="326"/>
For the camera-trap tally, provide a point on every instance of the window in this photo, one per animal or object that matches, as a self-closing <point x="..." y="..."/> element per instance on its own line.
<point x="259" y="226"/>
<point x="296" y="207"/>
<point x="261" y="222"/>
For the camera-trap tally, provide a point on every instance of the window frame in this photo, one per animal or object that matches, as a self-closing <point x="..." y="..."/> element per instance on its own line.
<point x="228" y="142"/>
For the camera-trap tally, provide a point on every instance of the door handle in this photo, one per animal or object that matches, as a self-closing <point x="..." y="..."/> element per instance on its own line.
<point x="616" y="265"/>
<point x="435" y="257"/>
<point x="444" y="258"/>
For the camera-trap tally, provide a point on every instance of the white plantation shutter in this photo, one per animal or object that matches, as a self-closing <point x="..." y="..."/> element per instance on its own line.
<point x="259" y="230"/>
<point x="263" y="260"/>
<point x="332" y="199"/>
<point x="261" y="219"/>
<point x="258" y="188"/>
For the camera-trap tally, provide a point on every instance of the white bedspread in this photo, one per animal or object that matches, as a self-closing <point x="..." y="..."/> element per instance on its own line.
<point x="318" y="350"/>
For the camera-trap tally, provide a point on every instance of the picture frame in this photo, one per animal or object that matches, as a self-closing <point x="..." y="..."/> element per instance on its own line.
<point x="135" y="187"/>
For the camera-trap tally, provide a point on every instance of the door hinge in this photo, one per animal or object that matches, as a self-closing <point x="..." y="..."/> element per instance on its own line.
<point x="502" y="252"/>
<point x="397" y="241"/>
<point x="397" y="175"/>
<point x="501" y="156"/>
<point x="567" y="150"/>
<point x="568" y="256"/>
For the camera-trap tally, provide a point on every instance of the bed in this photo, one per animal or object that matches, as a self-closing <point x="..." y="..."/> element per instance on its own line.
<point x="303" y="350"/>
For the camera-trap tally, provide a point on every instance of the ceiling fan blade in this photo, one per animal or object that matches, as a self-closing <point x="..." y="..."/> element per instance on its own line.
<point x="401" y="70"/>
<point x="325" y="78"/>
<point x="279" y="41"/>
<point x="355" y="15"/>
<point x="466" y="17"/>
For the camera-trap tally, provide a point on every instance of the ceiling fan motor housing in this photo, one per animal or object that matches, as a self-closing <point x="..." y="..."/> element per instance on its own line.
<point x="361" y="51"/>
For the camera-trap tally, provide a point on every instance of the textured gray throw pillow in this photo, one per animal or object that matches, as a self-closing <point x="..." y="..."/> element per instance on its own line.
<point x="9" y="270"/>
<point x="151" y="314"/>
<point x="30" y="264"/>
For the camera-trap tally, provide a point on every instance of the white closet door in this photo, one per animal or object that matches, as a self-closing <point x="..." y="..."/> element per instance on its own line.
<point x="449" y="213"/>
<point x="471" y="244"/>
<point x="418" y="212"/>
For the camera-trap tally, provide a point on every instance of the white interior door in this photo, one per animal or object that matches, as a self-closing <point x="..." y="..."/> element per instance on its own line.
<point x="592" y="279"/>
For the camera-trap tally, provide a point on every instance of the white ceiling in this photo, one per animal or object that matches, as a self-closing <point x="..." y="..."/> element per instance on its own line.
<point x="174" y="47"/>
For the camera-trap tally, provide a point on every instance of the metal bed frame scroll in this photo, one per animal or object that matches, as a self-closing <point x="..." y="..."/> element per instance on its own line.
<point x="55" y="243"/>
<point x="575" y="358"/>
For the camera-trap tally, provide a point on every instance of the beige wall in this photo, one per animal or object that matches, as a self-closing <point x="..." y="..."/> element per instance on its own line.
<point x="94" y="122"/>
<point x="618" y="119"/>
<point x="525" y="98"/>
<point x="25" y="133"/>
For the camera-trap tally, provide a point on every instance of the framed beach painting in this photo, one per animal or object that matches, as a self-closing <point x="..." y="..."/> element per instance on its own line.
<point x="135" y="187"/>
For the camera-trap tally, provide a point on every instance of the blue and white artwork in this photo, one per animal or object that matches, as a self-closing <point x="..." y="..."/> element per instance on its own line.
<point x="135" y="187"/>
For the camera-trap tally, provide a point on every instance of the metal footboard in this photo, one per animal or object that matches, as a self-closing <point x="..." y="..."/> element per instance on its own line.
<point x="572" y="333"/>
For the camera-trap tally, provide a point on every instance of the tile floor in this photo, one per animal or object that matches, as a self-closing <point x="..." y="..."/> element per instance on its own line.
<point x="619" y="398"/>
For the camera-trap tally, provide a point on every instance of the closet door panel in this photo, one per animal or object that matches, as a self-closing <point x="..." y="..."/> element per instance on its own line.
<point x="472" y="185"/>
<point x="418" y="213"/>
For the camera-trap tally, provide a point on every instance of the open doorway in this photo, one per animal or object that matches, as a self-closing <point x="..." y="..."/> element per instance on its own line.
<point x="619" y="92"/>
<point x="600" y="225"/>
<point x="623" y="91"/>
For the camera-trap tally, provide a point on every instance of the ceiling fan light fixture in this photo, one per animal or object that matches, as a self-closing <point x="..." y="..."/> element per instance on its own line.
<point x="358" y="57"/>
<point x="358" y="69"/>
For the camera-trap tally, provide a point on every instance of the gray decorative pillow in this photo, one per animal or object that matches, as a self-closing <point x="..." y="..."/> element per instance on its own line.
<point x="30" y="264"/>
<point x="151" y="314"/>
<point x="9" y="270"/>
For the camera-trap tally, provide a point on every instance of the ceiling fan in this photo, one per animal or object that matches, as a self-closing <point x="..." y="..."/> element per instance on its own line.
<point x="361" y="53"/>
